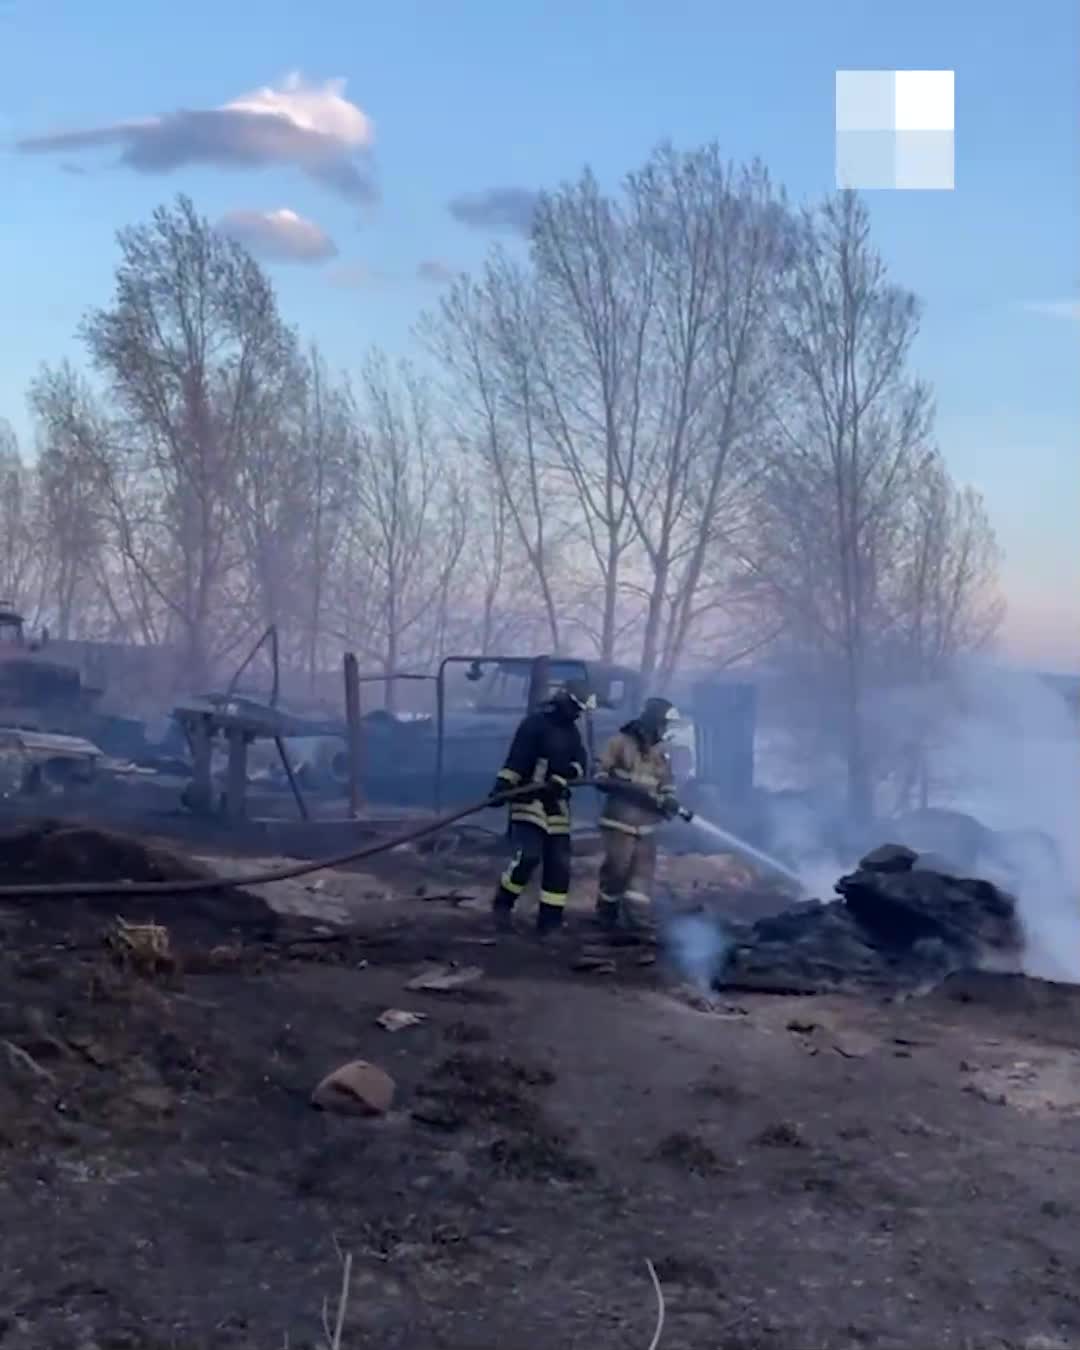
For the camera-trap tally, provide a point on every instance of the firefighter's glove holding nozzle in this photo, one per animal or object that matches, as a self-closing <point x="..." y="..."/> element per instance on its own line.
<point x="556" y="792"/>
<point x="668" y="806"/>
<point x="670" y="809"/>
<point x="499" y="786"/>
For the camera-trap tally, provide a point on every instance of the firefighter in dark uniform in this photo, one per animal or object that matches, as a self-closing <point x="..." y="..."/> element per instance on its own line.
<point x="634" y="771"/>
<point x="547" y="750"/>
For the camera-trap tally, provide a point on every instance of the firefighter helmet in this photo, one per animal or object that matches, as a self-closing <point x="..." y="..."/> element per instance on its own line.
<point x="574" y="698"/>
<point x="659" y="717"/>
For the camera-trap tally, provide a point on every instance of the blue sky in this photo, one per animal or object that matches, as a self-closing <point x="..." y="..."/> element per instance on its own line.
<point x="478" y="95"/>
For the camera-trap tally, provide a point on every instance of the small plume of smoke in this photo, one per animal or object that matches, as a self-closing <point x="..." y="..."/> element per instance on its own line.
<point x="698" y="946"/>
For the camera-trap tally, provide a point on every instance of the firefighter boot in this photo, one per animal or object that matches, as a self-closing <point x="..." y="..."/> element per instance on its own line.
<point x="633" y="917"/>
<point x="607" y="914"/>
<point x="549" y="919"/>
<point x="502" y="911"/>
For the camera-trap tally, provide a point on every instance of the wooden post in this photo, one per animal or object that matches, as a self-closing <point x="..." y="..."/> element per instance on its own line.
<point x="200" y="738"/>
<point x="352" y="719"/>
<point x="236" y="782"/>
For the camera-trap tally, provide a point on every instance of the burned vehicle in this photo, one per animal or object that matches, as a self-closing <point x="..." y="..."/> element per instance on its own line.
<point x="445" y="750"/>
<point x="43" y="707"/>
<point x="451" y="757"/>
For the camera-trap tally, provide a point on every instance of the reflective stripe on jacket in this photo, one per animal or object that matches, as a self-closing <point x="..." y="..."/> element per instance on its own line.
<point x="543" y="747"/>
<point x="630" y="758"/>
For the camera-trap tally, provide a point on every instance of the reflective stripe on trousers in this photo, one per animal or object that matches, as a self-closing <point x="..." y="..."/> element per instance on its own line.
<point x="537" y="848"/>
<point x="628" y="868"/>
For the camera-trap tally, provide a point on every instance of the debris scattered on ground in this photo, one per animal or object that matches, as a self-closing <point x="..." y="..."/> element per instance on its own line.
<point x="144" y="947"/>
<point x="442" y="979"/>
<point x="689" y="1152"/>
<point x="357" y="1088"/>
<point x="595" y="963"/>
<point x="173" y="1114"/>
<point x="466" y="1033"/>
<point x="453" y="898"/>
<point x="491" y="1094"/>
<point x="783" y="1134"/>
<point x="397" y="1019"/>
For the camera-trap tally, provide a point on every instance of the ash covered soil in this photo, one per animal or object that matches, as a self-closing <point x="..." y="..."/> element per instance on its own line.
<point x="804" y="1173"/>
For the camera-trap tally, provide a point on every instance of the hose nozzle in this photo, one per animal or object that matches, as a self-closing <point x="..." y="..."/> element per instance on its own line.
<point x="686" y="814"/>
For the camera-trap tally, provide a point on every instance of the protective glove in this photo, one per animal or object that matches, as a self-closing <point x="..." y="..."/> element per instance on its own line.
<point x="555" y="793"/>
<point x="669" y="808"/>
<point x="499" y="786"/>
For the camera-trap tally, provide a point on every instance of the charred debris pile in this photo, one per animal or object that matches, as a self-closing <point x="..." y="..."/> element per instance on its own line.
<point x="901" y="923"/>
<point x="65" y="853"/>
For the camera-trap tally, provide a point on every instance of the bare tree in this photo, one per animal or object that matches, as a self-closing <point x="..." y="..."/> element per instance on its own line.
<point x="329" y="448"/>
<point x="485" y="336"/>
<point x="620" y="384"/>
<point x="192" y="346"/>
<point x="90" y="506"/>
<point x="718" y="239"/>
<point x="850" y="428"/>
<point x="949" y="607"/>
<point x="409" y="527"/>
<point x="17" y="524"/>
<point x="594" y="293"/>
<point x="73" y="476"/>
<point x="273" y="485"/>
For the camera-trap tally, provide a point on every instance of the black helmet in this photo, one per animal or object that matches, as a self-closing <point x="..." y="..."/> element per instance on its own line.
<point x="658" y="718"/>
<point x="573" y="698"/>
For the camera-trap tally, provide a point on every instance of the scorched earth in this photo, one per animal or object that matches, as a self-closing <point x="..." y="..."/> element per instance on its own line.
<point x="797" y="1172"/>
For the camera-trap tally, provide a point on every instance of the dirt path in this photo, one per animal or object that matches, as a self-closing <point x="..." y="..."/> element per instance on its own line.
<point x="817" y="1173"/>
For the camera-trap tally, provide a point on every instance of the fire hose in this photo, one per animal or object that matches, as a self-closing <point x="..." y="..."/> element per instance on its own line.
<point x="291" y="871"/>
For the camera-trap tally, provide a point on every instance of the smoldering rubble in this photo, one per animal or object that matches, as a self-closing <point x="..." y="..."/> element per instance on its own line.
<point x="901" y="923"/>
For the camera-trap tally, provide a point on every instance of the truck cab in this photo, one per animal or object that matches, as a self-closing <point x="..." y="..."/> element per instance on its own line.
<point x="452" y="757"/>
<point x="481" y="699"/>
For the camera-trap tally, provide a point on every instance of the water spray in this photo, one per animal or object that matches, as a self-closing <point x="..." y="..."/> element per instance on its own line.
<point x="764" y="860"/>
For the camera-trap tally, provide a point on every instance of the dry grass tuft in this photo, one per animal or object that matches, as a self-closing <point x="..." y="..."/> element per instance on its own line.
<point x="141" y="947"/>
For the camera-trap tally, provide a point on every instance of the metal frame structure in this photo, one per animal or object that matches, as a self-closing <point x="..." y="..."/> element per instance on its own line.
<point x="539" y="668"/>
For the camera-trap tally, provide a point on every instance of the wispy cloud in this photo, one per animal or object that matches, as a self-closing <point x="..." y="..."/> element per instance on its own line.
<point x="1055" y="309"/>
<point x="312" y="127"/>
<point x="497" y="208"/>
<point x="434" y="271"/>
<point x="279" y="236"/>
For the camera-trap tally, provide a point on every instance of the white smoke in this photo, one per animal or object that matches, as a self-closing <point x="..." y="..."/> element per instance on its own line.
<point x="1003" y="754"/>
<point x="698" y="945"/>
<point x="1013" y="755"/>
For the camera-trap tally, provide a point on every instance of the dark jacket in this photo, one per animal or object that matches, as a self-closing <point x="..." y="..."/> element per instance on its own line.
<point x="546" y="746"/>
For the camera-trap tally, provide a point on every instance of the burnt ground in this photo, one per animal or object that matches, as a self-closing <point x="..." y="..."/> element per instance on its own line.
<point x="803" y="1173"/>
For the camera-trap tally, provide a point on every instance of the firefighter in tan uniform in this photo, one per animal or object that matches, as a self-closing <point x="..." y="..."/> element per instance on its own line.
<point x="634" y="771"/>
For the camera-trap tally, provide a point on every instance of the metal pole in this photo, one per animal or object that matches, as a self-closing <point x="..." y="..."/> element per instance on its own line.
<point x="352" y="719"/>
<point x="236" y="782"/>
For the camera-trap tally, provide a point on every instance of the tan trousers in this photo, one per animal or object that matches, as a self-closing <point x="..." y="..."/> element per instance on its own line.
<point x="628" y="869"/>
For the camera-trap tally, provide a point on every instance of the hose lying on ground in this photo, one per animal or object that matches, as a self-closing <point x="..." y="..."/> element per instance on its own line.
<point x="287" y="873"/>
